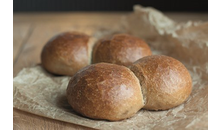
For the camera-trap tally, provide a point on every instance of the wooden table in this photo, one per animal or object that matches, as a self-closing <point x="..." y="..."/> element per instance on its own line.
<point x="32" y="30"/>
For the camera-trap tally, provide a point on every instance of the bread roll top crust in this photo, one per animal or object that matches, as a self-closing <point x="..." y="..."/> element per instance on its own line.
<point x="66" y="53"/>
<point x="122" y="49"/>
<point x="165" y="81"/>
<point x="105" y="91"/>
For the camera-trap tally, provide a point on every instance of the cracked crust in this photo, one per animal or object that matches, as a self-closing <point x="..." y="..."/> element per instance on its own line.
<point x="67" y="53"/>
<point x="165" y="81"/>
<point x="121" y="49"/>
<point x="105" y="91"/>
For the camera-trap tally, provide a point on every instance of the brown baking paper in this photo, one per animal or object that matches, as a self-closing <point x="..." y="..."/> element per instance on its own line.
<point x="38" y="92"/>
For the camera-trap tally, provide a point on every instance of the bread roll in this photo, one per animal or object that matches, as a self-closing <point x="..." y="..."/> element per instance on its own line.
<point x="67" y="53"/>
<point x="165" y="81"/>
<point x="105" y="91"/>
<point x="121" y="49"/>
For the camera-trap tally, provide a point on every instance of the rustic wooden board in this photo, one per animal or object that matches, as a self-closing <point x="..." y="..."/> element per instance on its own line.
<point x="21" y="32"/>
<point x="32" y="31"/>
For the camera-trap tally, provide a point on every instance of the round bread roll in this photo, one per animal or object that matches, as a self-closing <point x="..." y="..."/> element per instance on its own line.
<point x="105" y="91"/>
<point x="67" y="53"/>
<point x="121" y="49"/>
<point x="165" y="81"/>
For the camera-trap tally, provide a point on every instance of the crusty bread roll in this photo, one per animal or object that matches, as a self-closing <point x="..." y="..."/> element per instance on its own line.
<point x="105" y="91"/>
<point x="122" y="49"/>
<point x="165" y="81"/>
<point x="67" y="53"/>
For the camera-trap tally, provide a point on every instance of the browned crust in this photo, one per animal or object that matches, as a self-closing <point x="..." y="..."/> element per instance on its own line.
<point x="105" y="91"/>
<point x="66" y="53"/>
<point x="165" y="81"/>
<point x="122" y="49"/>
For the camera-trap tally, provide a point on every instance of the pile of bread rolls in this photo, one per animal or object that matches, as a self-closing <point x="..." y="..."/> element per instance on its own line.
<point x="115" y="77"/>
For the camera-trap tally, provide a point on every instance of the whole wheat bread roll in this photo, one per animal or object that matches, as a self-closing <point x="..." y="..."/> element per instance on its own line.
<point x="105" y="91"/>
<point x="113" y="92"/>
<point x="67" y="53"/>
<point x="121" y="49"/>
<point x="165" y="81"/>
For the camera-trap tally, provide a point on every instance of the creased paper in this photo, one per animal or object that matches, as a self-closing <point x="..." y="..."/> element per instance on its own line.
<point x="41" y="93"/>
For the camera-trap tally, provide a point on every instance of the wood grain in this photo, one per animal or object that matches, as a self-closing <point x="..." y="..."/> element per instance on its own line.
<point x="20" y="34"/>
<point x="85" y="17"/>
<point x="30" y="56"/>
<point x="27" y="121"/>
<point x="32" y="31"/>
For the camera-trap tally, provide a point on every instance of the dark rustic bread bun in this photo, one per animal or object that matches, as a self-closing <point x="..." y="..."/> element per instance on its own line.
<point x="121" y="49"/>
<point x="165" y="81"/>
<point x="105" y="91"/>
<point x="67" y="53"/>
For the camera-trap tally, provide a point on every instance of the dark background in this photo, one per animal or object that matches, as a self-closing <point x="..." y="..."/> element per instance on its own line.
<point x="108" y="5"/>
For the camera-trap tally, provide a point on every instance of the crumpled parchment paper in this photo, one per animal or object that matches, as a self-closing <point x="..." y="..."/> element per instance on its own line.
<point x="41" y="93"/>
